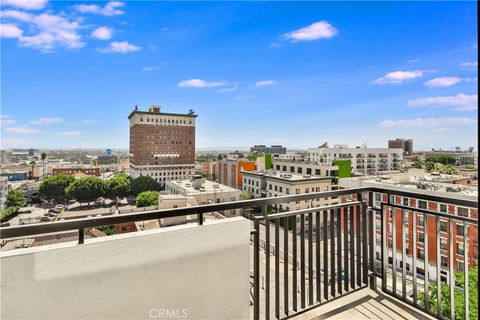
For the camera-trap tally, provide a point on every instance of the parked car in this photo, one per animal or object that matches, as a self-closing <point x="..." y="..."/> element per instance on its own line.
<point x="44" y="219"/>
<point x="100" y="201"/>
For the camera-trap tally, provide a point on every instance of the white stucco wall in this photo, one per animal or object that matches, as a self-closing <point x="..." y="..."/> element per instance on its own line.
<point x="189" y="271"/>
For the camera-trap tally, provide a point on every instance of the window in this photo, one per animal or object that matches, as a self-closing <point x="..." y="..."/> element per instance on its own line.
<point x="443" y="225"/>
<point x="421" y="220"/>
<point x="443" y="261"/>
<point x="421" y="237"/>
<point x="443" y="243"/>
<point x="287" y="190"/>
<point x="292" y="169"/>
<point x="307" y="190"/>
<point x="309" y="170"/>
<point x="460" y="265"/>
<point x="299" y="170"/>
<point x="421" y="254"/>
<point x="405" y="201"/>
<point x="443" y="208"/>
<point x="276" y="188"/>
<point x="280" y="189"/>
<point x="462" y="211"/>
<point x="297" y="191"/>
<point x="270" y="187"/>
<point x="460" y="248"/>
<point x="422" y="204"/>
<point x="317" y="172"/>
<point x="460" y="230"/>
<point x="378" y="197"/>
<point x="278" y="167"/>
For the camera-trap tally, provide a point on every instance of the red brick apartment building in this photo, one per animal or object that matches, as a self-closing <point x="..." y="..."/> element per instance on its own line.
<point x="429" y="231"/>
<point x="162" y="145"/>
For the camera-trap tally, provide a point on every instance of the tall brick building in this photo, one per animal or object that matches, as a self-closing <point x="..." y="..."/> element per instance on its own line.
<point x="162" y="145"/>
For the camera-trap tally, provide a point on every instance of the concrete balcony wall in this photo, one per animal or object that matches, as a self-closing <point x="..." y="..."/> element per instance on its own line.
<point x="188" y="271"/>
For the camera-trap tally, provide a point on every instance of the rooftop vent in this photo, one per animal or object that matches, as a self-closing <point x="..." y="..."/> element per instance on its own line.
<point x="154" y="109"/>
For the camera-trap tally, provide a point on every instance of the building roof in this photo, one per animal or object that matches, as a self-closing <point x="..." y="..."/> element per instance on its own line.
<point x="207" y="186"/>
<point x="162" y="113"/>
<point x="290" y="177"/>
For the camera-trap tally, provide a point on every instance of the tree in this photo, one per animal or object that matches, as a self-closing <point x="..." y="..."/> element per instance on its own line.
<point x="448" y="169"/>
<point x="429" y="166"/>
<point x="246" y="195"/>
<point x="86" y="189"/>
<point x="147" y="199"/>
<point x="118" y="186"/>
<point x="143" y="183"/>
<point x="43" y="156"/>
<point x="416" y="165"/>
<point x="15" y="199"/>
<point x="54" y="187"/>
<point x="459" y="296"/>
<point x="32" y="163"/>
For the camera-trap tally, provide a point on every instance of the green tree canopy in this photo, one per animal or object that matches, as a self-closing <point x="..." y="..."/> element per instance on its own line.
<point x="86" y="189"/>
<point x="147" y="199"/>
<point x="429" y="166"/>
<point x="15" y="199"/>
<point x="118" y="186"/>
<point x="416" y="165"/>
<point x="143" y="183"/>
<point x="245" y="195"/>
<point x="459" y="296"/>
<point x="443" y="159"/>
<point x="54" y="187"/>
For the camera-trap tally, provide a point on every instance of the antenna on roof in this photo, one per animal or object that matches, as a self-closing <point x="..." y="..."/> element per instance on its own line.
<point x="191" y="111"/>
<point x="136" y="108"/>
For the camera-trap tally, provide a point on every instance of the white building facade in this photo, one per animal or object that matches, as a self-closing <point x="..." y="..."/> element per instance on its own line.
<point x="363" y="159"/>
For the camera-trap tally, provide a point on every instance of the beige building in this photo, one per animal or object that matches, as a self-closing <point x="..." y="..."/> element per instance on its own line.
<point x="162" y="145"/>
<point x="304" y="168"/>
<point x="170" y="201"/>
<point x="276" y="184"/>
<point x="202" y="191"/>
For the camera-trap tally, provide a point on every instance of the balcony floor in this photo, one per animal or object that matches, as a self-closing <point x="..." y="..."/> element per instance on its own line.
<point x="364" y="304"/>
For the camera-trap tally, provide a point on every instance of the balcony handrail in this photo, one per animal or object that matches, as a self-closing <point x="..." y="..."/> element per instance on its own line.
<point x="82" y="223"/>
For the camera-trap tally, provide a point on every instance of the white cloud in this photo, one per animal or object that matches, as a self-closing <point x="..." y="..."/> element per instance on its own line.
<point x="412" y="60"/>
<point x="441" y="129"/>
<point x="46" y="121"/>
<point x="103" y="33"/>
<point x="49" y="32"/>
<point x="265" y="83"/>
<point x="16" y="15"/>
<point x="230" y="89"/>
<point x="470" y="79"/>
<point x="199" y="83"/>
<point x="70" y="133"/>
<point x="7" y="121"/>
<point x="120" y="47"/>
<point x="10" y="31"/>
<point x="110" y="9"/>
<point x="398" y="77"/>
<point x="427" y="122"/>
<point x="460" y="102"/>
<point x="443" y="82"/>
<point x="245" y="97"/>
<point x="153" y="68"/>
<point x="315" y="31"/>
<point x="86" y="122"/>
<point x="275" y="45"/>
<point x="25" y="4"/>
<point x="21" y="130"/>
<point x="469" y="65"/>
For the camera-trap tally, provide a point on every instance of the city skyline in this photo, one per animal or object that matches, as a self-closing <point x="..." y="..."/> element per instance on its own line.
<point x="73" y="71"/>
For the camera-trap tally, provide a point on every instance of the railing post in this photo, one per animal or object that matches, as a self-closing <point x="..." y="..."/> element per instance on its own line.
<point x="372" y="239"/>
<point x="200" y="218"/>
<point x="256" y="270"/>
<point x="81" y="236"/>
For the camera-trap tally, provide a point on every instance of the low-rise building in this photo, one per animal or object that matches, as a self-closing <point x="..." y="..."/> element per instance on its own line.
<point x="274" y="149"/>
<point x="202" y="191"/>
<point x="275" y="184"/>
<point x="229" y="171"/>
<point x="90" y="171"/>
<point x="304" y="168"/>
<point x="363" y="159"/>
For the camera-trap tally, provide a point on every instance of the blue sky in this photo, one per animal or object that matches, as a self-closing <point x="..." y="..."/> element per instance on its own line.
<point x="297" y="74"/>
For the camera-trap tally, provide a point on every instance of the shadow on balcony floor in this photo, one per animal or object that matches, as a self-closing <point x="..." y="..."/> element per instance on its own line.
<point x="364" y="304"/>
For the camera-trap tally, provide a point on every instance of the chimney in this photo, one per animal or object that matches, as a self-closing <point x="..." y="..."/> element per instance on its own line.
<point x="196" y="181"/>
<point x="154" y="109"/>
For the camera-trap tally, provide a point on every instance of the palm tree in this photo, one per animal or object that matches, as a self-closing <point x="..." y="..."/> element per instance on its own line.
<point x="32" y="163"/>
<point x="43" y="156"/>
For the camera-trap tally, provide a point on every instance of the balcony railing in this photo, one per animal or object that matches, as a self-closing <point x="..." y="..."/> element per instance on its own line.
<point x="306" y="258"/>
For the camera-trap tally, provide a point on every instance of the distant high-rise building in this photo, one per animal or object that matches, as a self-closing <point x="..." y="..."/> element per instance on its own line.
<point x="162" y="145"/>
<point x="273" y="149"/>
<point x="405" y="144"/>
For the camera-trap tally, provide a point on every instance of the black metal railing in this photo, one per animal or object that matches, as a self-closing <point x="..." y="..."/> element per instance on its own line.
<point x="305" y="258"/>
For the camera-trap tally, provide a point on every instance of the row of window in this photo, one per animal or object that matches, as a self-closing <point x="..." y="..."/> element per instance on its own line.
<point x="162" y="120"/>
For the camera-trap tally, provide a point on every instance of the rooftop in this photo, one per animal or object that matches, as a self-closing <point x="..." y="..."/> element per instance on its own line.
<point x="206" y="186"/>
<point x="286" y="176"/>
